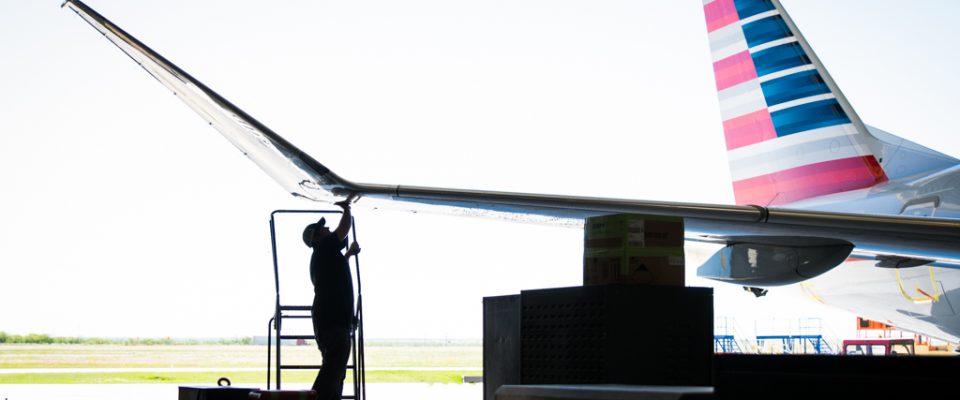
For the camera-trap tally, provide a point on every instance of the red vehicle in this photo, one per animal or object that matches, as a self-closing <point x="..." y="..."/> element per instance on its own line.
<point x="878" y="347"/>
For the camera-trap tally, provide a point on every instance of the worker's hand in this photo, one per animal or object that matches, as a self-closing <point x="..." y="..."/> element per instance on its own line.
<point x="345" y="203"/>
<point x="354" y="249"/>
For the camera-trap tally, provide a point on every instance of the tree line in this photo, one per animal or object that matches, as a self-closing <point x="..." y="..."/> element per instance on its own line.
<point x="39" y="338"/>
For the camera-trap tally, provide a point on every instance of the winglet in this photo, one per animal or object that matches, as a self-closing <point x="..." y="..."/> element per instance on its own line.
<point x="297" y="172"/>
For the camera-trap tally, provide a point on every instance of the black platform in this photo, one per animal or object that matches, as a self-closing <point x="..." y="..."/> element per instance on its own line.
<point x="816" y="376"/>
<point x="604" y="334"/>
<point x="747" y="376"/>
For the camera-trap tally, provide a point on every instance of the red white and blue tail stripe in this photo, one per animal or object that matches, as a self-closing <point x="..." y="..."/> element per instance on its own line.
<point x="790" y="134"/>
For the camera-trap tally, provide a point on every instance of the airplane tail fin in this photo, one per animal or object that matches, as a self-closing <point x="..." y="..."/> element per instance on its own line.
<point x="790" y="132"/>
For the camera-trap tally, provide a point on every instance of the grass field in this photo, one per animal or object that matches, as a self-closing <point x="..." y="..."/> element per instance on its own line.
<point x="389" y="362"/>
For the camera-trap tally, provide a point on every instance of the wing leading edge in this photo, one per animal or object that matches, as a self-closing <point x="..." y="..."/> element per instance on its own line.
<point x="302" y="176"/>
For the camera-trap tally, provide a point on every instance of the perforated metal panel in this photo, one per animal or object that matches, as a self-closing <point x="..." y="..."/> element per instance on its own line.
<point x="627" y="334"/>
<point x="563" y="339"/>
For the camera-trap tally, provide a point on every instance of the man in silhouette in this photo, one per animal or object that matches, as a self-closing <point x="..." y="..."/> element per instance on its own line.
<point x="332" y="309"/>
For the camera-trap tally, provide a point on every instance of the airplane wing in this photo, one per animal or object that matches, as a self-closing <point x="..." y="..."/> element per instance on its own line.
<point x="902" y="239"/>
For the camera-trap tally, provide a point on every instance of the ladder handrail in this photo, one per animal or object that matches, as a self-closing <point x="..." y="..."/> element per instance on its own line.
<point x="360" y="372"/>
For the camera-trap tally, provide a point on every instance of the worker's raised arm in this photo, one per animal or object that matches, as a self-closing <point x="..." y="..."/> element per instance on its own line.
<point x="343" y="228"/>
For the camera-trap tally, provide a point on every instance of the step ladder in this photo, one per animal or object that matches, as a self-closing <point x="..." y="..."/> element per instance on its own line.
<point x="275" y="335"/>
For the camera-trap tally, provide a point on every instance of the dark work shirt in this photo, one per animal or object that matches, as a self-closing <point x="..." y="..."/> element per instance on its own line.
<point x="332" y="283"/>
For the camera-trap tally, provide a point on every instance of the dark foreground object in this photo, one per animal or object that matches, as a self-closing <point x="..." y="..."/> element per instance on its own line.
<point x="602" y="392"/>
<point x="741" y="376"/>
<point x="605" y="334"/>
<point x="762" y="376"/>
<point x="233" y="393"/>
<point x="638" y="342"/>
<point x="214" y="393"/>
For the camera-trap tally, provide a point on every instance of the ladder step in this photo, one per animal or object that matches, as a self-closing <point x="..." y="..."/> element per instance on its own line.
<point x="295" y="337"/>
<point x="349" y="366"/>
<point x="295" y="308"/>
<point x="295" y="316"/>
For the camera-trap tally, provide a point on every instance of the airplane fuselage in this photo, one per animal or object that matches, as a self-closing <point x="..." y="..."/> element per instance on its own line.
<point x="923" y="298"/>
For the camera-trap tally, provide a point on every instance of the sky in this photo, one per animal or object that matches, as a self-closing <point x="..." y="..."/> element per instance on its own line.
<point x="123" y="214"/>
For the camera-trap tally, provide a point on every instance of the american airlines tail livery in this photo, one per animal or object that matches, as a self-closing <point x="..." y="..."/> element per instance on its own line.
<point x="861" y="219"/>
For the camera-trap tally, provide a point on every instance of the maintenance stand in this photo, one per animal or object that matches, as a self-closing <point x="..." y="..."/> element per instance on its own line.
<point x="282" y="311"/>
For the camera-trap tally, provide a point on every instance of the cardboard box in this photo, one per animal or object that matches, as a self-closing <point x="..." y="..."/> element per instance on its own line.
<point x="634" y="268"/>
<point x="630" y="248"/>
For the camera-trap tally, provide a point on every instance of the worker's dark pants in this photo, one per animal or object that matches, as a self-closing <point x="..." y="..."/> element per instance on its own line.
<point x="334" y="344"/>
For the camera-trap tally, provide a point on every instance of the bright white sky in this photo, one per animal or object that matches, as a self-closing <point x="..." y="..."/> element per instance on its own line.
<point x="123" y="214"/>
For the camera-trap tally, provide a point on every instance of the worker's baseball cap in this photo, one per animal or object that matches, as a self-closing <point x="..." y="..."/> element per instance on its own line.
<point x="311" y="229"/>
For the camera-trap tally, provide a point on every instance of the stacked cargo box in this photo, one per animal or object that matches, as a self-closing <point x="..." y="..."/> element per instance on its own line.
<point x="630" y="248"/>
